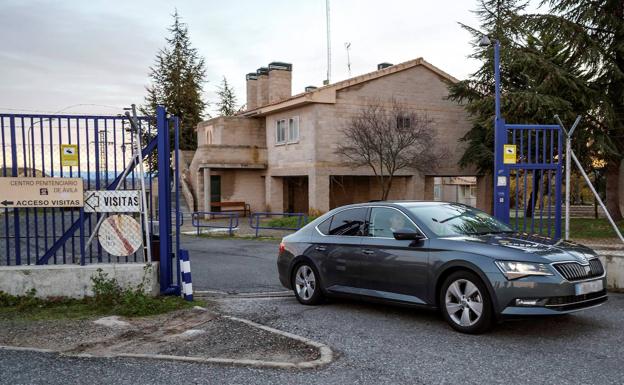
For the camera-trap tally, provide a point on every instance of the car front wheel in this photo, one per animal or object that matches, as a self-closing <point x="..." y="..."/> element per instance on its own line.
<point x="465" y="303"/>
<point x="306" y="284"/>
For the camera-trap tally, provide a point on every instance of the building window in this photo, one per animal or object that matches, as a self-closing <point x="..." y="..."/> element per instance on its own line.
<point x="280" y="131"/>
<point x="293" y="129"/>
<point x="403" y="122"/>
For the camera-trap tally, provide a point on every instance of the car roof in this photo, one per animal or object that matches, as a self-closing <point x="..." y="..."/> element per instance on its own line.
<point x="395" y="203"/>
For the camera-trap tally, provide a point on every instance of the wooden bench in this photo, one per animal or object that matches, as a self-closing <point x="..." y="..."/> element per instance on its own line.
<point x="232" y="207"/>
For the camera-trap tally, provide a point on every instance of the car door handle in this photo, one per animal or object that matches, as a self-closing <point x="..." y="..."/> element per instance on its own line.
<point x="320" y="248"/>
<point x="368" y="251"/>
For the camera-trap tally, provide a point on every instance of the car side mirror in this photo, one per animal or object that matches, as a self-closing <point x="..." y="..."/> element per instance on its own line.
<point x="408" y="235"/>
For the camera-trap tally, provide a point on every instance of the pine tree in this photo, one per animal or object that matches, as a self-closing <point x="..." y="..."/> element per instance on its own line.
<point x="538" y="80"/>
<point x="227" y="99"/>
<point x="177" y="78"/>
<point x="594" y="34"/>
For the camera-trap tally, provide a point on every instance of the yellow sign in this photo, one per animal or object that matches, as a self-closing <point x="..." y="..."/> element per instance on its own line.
<point x="509" y="154"/>
<point x="23" y="192"/>
<point x="69" y="155"/>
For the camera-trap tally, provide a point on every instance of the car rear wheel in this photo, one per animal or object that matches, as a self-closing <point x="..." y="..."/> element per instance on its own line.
<point x="306" y="284"/>
<point x="466" y="303"/>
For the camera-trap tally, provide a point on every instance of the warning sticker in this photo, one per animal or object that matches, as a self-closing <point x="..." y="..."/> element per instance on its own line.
<point x="69" y="155"/>
<point x="509" y="154"/>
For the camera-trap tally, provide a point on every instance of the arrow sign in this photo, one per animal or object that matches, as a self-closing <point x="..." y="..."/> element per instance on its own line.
<point x="92" y="201"/>
<point x="109" y="201"/>
<point x="7" y="203"/>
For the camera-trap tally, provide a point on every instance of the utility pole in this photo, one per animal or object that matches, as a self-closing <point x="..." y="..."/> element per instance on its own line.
<point x="328" y="80"/>
<point x="348" y="47"/>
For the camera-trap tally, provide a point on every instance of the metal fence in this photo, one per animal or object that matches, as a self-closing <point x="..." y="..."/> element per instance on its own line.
<point x="256" y="224"/>
<point x="230" y="225"/>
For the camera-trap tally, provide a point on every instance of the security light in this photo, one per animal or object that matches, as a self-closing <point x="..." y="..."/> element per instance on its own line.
<point x="485" y="41"/>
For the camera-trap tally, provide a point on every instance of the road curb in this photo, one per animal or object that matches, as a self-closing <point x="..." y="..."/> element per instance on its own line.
<point x="326" y="354"/>
<point x="260" y="294"/>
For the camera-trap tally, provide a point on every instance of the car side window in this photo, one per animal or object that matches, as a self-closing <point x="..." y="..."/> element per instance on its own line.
<point x="323" y="227"/>
<point x="385" y="221"/>
<point x="350" y="222"/>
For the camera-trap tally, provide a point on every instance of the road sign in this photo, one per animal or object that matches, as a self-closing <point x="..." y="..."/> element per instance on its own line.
<point x="69" y="155"/>
<point x="120" y="235"/>
<point x="509" y="154"/>
<point x="126" y="201"/>
<point x="21" y="192"/>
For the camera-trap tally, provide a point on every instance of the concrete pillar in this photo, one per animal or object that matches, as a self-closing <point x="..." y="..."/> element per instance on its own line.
<point x="485" y="193"/>
<point x="207" y="189"/>
<point x="318" y="192"/>
<point x="415" y="188"/>
<point x="274" y="193"/>
<point x="428" y="190"/>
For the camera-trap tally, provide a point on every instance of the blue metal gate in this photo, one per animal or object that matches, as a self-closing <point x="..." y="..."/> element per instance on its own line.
<point x="527" y="182"/>
<point x="31" y="147"/>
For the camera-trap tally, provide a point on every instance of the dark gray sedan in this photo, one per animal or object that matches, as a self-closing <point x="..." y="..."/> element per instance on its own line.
<point x="472" y="267"/>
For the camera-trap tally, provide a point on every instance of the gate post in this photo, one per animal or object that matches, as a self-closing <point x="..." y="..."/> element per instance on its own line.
<point x="501" y="173"/>
<point x="164" y="201"/>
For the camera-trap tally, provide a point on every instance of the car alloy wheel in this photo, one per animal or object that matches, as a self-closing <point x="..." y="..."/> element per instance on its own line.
<point x="306" y="284"/>
<point x="464" y="302"/>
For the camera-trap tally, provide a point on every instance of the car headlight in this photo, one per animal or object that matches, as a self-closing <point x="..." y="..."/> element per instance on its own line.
<point x="515" y="270"/>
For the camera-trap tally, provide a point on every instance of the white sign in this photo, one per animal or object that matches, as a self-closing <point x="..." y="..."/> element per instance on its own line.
<point x="19" y="192"/>
<point x="126" y="201"/>
<point x="120" y="235"/>
<point x="501" y="181"/>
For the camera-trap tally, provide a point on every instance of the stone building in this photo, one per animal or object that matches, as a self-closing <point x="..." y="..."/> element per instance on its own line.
<point x="279" y="154"/>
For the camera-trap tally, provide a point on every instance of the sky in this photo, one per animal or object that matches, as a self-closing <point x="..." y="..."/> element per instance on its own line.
<point x="94" y="56"/>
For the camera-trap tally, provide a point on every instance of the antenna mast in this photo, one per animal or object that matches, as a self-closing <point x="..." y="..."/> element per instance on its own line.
<point x="328" y="80"/>
<point x="348" y="47"/>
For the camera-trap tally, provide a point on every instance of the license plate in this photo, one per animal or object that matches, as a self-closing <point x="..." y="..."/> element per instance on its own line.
<point x="588" y="287"/>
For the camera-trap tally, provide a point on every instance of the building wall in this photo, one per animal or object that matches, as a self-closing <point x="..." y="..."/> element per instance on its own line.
<point x="419" y="89"/>
<point x="232" y="130"/>
<point x="242" y="185"/>
<point x="320" y="125"/>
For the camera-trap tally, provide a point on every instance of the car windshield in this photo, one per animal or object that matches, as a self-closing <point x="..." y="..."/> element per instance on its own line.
<point x="450" y="219"/>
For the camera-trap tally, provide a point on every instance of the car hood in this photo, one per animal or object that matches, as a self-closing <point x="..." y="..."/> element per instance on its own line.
<point x="525" y="247"/>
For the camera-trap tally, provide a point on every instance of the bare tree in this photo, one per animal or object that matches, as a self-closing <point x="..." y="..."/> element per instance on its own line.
<point x="389" y="138"/>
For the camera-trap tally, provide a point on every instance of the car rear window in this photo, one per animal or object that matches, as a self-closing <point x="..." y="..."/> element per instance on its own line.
<point x="349" y="222"/>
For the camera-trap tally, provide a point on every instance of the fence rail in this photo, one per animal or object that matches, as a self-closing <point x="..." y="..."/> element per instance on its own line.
<point x="254" y="221"/>
<point x="232" y="217"/>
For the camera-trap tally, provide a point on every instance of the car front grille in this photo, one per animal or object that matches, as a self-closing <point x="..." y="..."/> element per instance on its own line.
<point x="574" y="271"/>
<point x="572" y="302"/>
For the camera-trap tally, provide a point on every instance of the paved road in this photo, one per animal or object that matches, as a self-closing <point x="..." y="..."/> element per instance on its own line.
<point x="377" y="345"/>
<point x="233" y="265"/>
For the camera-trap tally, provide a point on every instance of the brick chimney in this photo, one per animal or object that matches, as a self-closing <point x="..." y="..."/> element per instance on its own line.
<point x="280" y="81"/>
<point x="262" y="89"/>
<point x="252" y="90"/>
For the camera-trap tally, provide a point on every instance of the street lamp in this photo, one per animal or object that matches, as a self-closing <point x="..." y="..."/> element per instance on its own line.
<point x="501" y="208"/>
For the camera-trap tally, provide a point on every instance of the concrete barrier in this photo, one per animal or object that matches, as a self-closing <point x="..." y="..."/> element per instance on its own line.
<point x="74" y="281"/>
<point x="615" y="271"/>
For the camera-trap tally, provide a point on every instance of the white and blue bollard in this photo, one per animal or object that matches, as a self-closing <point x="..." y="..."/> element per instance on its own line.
<point x="185" y="270"/>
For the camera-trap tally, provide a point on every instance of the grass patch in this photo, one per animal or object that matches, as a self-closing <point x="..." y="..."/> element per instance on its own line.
<point x="580" y="228"/>
<point x="108" y="299"/>
<point x="588" y="228"/>
<point x="288" y="222"/>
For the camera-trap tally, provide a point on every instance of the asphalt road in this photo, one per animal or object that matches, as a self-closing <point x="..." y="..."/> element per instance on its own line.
<point x="233" y="265"/>
<point x="376" y="345"/>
